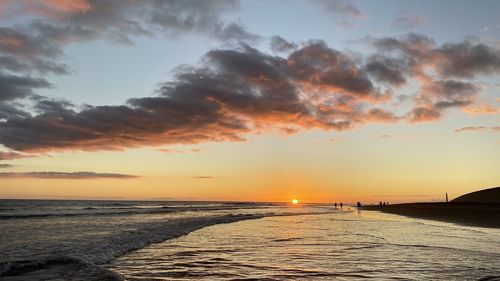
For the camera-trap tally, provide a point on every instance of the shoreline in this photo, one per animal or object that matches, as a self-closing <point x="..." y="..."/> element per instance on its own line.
<point x="76" y="267"/>
<point x="469" y="214"/>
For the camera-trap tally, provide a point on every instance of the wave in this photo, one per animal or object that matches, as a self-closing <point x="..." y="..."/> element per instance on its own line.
<point x="97" y="211"/>
<point x="91" y="257"/>
<point x="72" y="214"/>
<point x="69" y="259"/>
<point x="56" y="267"/>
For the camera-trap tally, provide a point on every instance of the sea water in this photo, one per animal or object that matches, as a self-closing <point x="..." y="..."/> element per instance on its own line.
<point x="112" y="240"/>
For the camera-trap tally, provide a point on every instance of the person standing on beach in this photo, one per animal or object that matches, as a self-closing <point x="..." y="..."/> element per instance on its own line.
<point x="341" y="205"/>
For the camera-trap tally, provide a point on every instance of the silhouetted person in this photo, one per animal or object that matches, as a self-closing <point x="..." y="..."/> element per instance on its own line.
<point x="341" y="205"/>
<point x="383" y="204"/>
<point x="380" y="203"/>
<point x="335" y="205"/>
<point x="359" y="204"/>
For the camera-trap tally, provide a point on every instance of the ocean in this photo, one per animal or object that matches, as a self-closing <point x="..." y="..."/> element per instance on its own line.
<point x="159" y="240"/>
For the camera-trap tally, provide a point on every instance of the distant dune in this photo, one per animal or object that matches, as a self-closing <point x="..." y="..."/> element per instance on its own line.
<point x="490" y="195"/>
<point x="479" y="208"/>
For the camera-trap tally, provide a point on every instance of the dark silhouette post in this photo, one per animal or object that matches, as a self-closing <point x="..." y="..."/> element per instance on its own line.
<point x="380" y="203"/>
<point x="446" y="197"/>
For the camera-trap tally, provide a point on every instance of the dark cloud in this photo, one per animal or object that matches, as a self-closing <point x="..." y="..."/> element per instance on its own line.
<point x="10" y="110"/>
<point x="46" y="105"/>
<point x="407" y="22"/>
<point x="120" y="20"/>
<point x="30" y="51"/>
<point x="239" y="90"/>
<point x="236" y="32"/>
<point x="235" y="92"/>
<point x="437" y="96"/>
<point x="37" y="45"/>
<point x="279" y="44"/>
<point x="387" y="69"/>
<point x="65" y="175"/>
<point x="34" y="65"/>
<point x="14" y="87"/>
<point x="460" y="60"/>
<point x="419" y="56"/>
<point x="320" y="66"/>
<point x="466" y="60"/>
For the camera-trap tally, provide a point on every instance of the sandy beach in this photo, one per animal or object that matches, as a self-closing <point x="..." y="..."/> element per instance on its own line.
<point x="473" y="214"/>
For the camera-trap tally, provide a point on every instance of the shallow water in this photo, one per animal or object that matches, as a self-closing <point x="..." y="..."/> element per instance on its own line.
<point x="63" y="235"/>
<point x="349" y="246"/>
<point x="89" y="240"/>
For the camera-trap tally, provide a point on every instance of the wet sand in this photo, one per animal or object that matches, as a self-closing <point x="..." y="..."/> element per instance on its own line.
<point x="472" y="214"/>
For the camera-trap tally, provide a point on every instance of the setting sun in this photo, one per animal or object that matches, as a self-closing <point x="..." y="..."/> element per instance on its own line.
<point x="295" y="201"/>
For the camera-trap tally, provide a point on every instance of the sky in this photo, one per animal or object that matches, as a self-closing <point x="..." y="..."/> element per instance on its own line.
<point x="321" y="100"/>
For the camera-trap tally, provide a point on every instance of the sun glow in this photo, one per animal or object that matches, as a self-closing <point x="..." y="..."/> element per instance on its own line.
<point x="295" y="201"/>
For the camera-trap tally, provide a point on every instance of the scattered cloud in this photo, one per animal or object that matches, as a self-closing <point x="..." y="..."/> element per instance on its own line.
<point x="416" y="56"/>
<point x="11" y="155"/>
<point x="476" y="128"/>
<point x="345" y="13"/>
<point x="169" y="150"/>
<point x="345" y="25"/>
<point x="182" y="151"/>
<point x="341" y="8"/>
<point x="3" y="166"/>
<point x="37" y="45"/>
<point x="481" y="109"/>
<point x="279" y="44"/>
<point x="407" y="22"/>
<point x="236" y="32"/>
<point x="384" y="136"/>
<point x="65" y="175"/>
<point x="203" y="177"/>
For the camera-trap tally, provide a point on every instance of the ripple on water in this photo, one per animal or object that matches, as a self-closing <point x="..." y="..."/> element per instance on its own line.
<point x="320" y="247"/>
